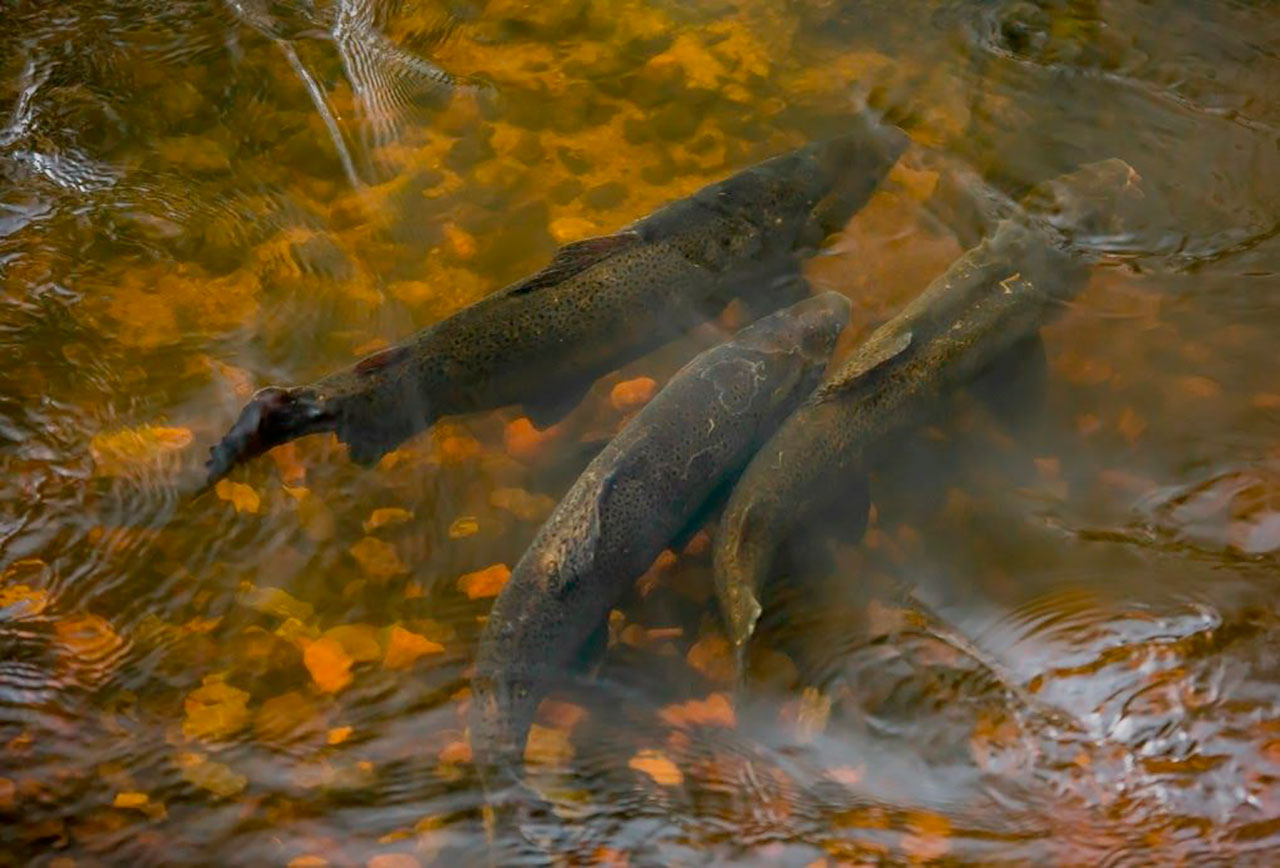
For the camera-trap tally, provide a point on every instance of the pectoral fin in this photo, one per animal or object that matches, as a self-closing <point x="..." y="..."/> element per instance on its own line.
<point x="590" y="656"/>
<point x="876" y="355"/>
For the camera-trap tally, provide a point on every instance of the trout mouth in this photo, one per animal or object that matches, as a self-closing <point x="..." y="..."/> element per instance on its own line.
<point x="273" y="416"/>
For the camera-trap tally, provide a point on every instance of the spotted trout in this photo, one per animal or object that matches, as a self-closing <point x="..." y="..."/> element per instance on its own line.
<point x="600" y="303"/>
<point x="996" y="296"/>
<point x="632" y="500"/>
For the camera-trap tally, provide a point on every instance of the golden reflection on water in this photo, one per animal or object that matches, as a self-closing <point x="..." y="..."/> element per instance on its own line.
<point x="202" y="199"/>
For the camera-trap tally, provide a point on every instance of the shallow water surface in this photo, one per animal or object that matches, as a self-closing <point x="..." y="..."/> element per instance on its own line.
<point x="1056" y="643"/>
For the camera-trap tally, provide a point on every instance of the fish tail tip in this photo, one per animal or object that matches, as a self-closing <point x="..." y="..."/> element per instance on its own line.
<point x="205" y="486"/>
<point x="215" y="470"/>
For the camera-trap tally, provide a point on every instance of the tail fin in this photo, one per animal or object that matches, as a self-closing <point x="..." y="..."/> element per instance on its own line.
<point x="274" y="415"/>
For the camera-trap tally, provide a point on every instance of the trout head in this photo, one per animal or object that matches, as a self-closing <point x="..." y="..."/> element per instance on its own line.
<point x="502" y="711"/>
<point x="273" y="416"/>
<point x="1089" y="208"/>
<point x="795" y="345"/>
<point x="846" y="170"/>
<point x="817" y="323"/>
<point x="797" y="199"/>
<point x="503" y="705"/>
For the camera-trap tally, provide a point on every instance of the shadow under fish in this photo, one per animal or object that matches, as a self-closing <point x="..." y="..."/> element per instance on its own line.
<point x="985" y="311"/>
<point x="647" y="486"/>
<point x="601" y="302"/>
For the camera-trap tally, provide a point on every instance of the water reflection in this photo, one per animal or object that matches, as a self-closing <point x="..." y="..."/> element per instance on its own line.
<point x="201" y="199"/>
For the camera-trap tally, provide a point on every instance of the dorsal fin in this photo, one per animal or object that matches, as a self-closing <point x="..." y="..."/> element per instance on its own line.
<point x="870" y="356"/>
<point x="380" y="360"/>
<point x="575" y="257"/>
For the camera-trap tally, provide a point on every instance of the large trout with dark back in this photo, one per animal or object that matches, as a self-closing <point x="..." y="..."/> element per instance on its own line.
<point x="993" y="298"/>
<point x="632" y="500"/>
<point x="600" y="303"/>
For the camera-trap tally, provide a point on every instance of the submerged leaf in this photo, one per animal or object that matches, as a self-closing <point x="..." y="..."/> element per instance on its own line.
<point x="359" y="641"/>
<point x="524" y="505"/>
<point x="561" y="714"/>
<point x="328" y="663"/>
<point x="633" y="394"/>
<point x="387" y="515"/>
<point x="812" y="714"/>
<point x="22" y="601"/>
<point x="378" y="559"/>
<point x="656" y="765"/>
<point x="282" y="717"/>
<point x="314" y="513"/>
<point x="243" y="497"/>
<point x="458" y="449"/>
<point x="27" y="571"/>
<point x="464" y="526"/>
<point x="715" y="710"/>
<point x="215" y="710"/>
<point x="928" y="838"/>
<point x="218" y="778"/>
<point x="88" y="638"/>
<point x="547" y="746"/>
<point x="273" y="601"/>
<point x="130" y="800"/>
<point x="567" y="229"/>
<point x="917" y="184"/>
<point x="405" y="646"/>
<point x="135" y="450"/>
<point x="525" y="442"/>
<point x="292" y="471"/>
<point x="713" y="657"/>
<point x="455" y="753"/>
<point x="484" y="583"/>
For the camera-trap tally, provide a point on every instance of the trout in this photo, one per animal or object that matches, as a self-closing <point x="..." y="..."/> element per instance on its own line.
<point x="994" y="298"/>
<point x="601" y="302"/>
<point x="633" y="499"/>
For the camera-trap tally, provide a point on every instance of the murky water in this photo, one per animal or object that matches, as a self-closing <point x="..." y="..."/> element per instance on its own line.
<point x="202" y="198"/>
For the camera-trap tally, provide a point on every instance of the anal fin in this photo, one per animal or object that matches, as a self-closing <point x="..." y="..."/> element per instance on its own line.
<point x="551" y="409"/>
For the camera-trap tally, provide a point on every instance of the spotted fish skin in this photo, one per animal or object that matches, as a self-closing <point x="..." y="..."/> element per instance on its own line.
<point x="600" y="303"/>
<point x="630" y="502"/>
<point x="997" y="294"/>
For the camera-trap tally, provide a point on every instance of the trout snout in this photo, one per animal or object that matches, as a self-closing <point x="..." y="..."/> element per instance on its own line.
<point x="822" y="318"/>
<point x="273" y="416"/>
<point x="1091" y="207"/>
